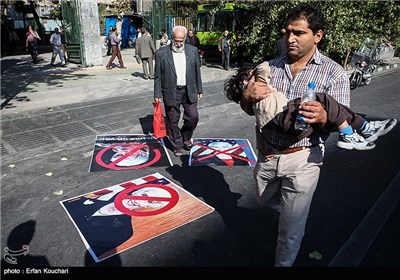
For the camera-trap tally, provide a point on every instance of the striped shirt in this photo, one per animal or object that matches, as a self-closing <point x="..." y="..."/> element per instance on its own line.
<point x="329" y="77"/>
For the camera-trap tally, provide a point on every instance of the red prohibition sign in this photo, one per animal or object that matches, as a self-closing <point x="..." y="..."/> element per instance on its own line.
<point x="113" y="166"/>
<point x="172" y="201"/>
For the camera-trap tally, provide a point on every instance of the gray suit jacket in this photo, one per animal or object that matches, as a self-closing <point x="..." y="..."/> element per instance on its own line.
<point x="165" y="74"/>
<point x="144" y="47"/>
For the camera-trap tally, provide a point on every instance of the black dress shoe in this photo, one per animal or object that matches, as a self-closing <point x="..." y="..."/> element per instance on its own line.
<point x="188" y="145"/>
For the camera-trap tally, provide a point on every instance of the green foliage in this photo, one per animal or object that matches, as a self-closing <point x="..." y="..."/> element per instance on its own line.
<point x="102" y="13"/>
<point x="56" y="12"/>
<point x="181" y="8"/>
<point x="121" y="7"/>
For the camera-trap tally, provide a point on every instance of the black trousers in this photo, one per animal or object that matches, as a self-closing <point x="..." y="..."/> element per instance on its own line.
<point x="32" y="48"/>
<point x="178" y="135"/>
<point x="225" y="58"/>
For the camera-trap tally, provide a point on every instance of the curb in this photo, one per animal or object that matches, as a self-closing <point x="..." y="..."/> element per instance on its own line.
<point x="381" y="69"/>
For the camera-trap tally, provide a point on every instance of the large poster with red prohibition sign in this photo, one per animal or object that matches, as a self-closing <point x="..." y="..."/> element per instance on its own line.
<point x="119" y="217"/>
<point x="128" y="152"/>
<point x="221" y="151"/>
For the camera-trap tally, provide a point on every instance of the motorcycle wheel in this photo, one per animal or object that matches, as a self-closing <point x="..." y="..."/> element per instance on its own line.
<point x="355" y="80"/>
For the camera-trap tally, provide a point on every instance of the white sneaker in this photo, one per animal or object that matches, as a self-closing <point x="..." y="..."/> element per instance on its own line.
<point x="374" y="129"/>
<point x="354" y="141"/>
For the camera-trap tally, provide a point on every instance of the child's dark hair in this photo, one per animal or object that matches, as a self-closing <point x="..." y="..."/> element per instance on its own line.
<point x="233" y="86"/>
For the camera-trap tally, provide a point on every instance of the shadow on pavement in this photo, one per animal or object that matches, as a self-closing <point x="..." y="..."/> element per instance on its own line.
<point x="20" y="75"/>
<point x="17" y="250"/>
<point x="253" y="232"/>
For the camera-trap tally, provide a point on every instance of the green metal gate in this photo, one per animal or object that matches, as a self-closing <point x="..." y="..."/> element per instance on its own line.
<point x="72" y="30"/>
<point x="158" y="18"/>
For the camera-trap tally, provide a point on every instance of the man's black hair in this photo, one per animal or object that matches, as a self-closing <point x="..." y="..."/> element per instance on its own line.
<point x="311" y="13"/>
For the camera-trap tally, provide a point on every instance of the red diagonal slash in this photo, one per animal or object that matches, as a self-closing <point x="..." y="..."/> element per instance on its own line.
<point x="125" y="194"/>
<point x="226" y="152"/>
<point x="112" y="165"/>
<point x="132" y="151"/>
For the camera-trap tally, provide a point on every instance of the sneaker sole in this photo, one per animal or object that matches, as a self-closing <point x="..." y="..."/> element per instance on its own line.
<point x="348" y="146"/>
<point x="382" y="132"/>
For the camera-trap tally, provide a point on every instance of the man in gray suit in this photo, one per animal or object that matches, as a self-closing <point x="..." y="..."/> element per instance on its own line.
<point x="145" y="49"/>
<point x="178" y="82"/>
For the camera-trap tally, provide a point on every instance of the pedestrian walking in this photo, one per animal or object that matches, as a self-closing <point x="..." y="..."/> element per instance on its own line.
<point x="145" y="50"/>
<point x="108" y="41"/>
<point x="287" y="178"/>
<point x="56" y="42"/>
<point x="116" y="51"/>
<point x="31" y="39"/>
<point x="178" y="82"/>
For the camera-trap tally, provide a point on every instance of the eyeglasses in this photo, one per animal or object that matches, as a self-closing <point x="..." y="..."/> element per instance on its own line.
<point x="178" y="41"/>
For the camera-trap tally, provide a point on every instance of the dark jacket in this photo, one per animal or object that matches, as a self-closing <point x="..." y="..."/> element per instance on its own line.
<point x="194" y="41"/>
<point x="165" y="75"/>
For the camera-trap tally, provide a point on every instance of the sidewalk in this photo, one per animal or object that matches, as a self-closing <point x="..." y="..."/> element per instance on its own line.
<point x="43" y="86"/>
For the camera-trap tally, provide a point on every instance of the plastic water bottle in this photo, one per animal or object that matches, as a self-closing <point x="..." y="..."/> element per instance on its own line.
<point x="307" y="96"/>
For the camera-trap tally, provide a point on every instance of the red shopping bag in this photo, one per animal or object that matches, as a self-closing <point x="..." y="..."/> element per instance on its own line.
<point x="159" y="128"/>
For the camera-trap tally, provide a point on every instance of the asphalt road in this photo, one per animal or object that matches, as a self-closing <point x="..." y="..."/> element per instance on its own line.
<point x="353" y="220"/>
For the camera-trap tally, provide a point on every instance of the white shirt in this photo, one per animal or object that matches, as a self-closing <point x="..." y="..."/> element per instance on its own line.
<point x="180" y="67"/>
<point x="55" y="39"/>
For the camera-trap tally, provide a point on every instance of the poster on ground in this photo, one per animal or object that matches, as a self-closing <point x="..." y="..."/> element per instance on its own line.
<point x="116" y="218"/>
<point x="128" y="152"/>
<point x="219" y="151"/>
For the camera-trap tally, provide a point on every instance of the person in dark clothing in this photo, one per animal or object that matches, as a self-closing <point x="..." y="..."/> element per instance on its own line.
<point x="225" y="47"/>
<point x="108" y="41"/>
<point x="280" y="48"/>
<point x="178" y="83"/>
<point x="192" y="39"/>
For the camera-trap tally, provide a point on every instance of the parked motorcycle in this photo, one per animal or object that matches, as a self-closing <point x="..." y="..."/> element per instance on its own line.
<point x="366" y="59"/>
<point x="363" y="64"/>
